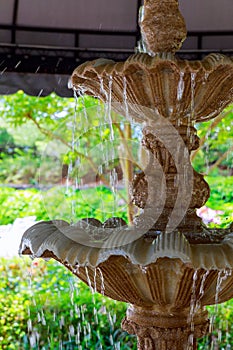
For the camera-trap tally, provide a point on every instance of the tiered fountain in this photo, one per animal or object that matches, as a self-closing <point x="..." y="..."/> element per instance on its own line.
<point x="170" y="268"/>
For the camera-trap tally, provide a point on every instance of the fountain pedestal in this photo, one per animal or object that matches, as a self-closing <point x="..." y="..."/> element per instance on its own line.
<point x="157" y="332"/>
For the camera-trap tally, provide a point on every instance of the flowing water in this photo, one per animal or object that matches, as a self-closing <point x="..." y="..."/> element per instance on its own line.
<point x="91" y="324"/>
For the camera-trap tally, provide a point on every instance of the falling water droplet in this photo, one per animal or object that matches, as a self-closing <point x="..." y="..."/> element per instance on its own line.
<point x="3" y="71"/>
<point x="17" y="64"/>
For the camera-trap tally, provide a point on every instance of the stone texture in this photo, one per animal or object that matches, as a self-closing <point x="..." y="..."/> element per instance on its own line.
<point x="162" y="26"/>
<point x="187" y="91"/>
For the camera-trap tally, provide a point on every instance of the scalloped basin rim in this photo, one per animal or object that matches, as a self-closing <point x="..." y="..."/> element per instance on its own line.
<point x="50" y="236"/>
<point x="168" y="84"/>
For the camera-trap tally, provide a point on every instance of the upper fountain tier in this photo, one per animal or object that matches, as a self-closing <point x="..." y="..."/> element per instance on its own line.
<point x="177" y="89"/>
<point x="191" y="91"/>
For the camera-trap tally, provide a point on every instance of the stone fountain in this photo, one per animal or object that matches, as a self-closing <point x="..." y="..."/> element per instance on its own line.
<point x="167" y="265"/>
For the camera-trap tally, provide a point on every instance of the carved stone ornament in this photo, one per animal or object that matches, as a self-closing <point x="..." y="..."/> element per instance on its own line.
<point x="162" y="26"/>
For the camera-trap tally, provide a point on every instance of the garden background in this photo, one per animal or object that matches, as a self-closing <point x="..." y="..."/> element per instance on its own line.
<point x="42" y="305"/>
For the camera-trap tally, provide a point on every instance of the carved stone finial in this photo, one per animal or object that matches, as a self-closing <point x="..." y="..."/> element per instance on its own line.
<point x="162" y="26"/>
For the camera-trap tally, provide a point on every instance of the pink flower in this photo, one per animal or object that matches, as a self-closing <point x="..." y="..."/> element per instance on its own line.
<point x="209" y="215"/>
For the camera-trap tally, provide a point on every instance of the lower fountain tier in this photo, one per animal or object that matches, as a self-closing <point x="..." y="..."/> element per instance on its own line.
<point x="156" y="271"/>
<point x="166" y="286"/>
<point x="167" y="280"/>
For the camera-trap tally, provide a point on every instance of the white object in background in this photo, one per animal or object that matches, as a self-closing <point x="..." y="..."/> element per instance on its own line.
<point x="10" y="235"/>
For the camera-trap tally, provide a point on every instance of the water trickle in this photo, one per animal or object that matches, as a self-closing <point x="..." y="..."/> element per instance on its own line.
<point x="180" y="87"/>
<point x="95" y="283"/>
<point x="102" y="89"/>
<point x="110" y="319"/>
<point x="71" y="330"/>
<point x="109" y="103"/>
<point x="102" y="280"/>
<point x="17" y="64"/>
<point x="61" y="322"/>
<point x="206" y="76"/>
<point x="95" y="312"/>
<point x="191" y="115"/>
<point x="43" y="320"/>
<point x="3" y="71"/>
<point x="37" y="69"/>
<point x="72" y="289"/>
<point x="89" y="280"/>
<point x="111" y="340"/>
<point x="125" y="98"/>
<point x="40" y="93"/>
<point x="201" y="291"/>
<point x="207" y="151"/>
<point x="193" y="302"/>
<point x="222" y="276"/>
<point x="29" y="324"/>
<point x="192" y="310"/>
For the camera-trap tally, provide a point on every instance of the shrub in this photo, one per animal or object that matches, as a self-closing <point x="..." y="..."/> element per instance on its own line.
<point x="58" y="203"/>
<point x="45" y="307"/>
<point x="51" y="308"/>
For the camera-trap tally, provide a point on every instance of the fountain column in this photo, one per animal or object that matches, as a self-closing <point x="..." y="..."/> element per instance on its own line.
<point x="170" y="337"/>
<point x="163" y="31"/>
<point x="199" y="189"/>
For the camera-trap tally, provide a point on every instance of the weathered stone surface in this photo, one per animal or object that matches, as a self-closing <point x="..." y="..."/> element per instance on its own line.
<point x="162" y="26"/>
<point x="181" y="91"/>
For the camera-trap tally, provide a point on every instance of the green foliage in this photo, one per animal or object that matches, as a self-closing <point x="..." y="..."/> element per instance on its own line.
<point x="60" y="203"/>
<point x="37" y="109"/>
<point x="20" y="168"/>
<point x="19" y="203"/>
<point x="61" y="131"/>
<point x="221" y="336"/>
<point x="221" y="197"/>
<point x="46" y="306"/>
<point x="6" y="139"/>
<point x="218" y="138"/>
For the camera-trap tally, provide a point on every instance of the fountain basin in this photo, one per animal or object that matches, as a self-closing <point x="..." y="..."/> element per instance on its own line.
<point x="166" y="279"/>
<point x="177" y="89"/>
<point x="148" y="272"/>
